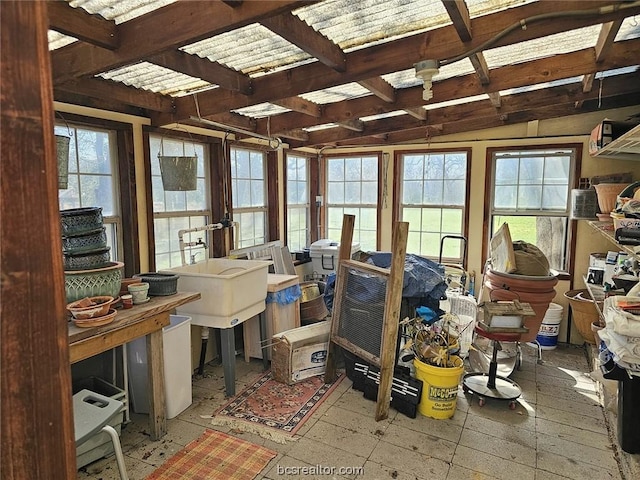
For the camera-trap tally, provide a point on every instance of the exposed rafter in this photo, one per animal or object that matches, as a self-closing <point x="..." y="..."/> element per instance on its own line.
<point x="80" y="24"/>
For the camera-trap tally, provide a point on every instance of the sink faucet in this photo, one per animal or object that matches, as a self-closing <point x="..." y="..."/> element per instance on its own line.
<point x="193" y="258"/>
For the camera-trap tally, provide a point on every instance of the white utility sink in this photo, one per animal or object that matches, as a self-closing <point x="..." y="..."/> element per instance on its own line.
<point x="232" y="290"/>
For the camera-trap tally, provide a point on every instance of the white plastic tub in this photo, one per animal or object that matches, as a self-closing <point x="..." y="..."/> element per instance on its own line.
<point x="176" y="339"/>
<point x="232" y="290"/>
<point x="324" y="255"/>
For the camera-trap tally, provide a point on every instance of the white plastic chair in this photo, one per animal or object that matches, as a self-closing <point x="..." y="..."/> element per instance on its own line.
<point x="92" y="413"/>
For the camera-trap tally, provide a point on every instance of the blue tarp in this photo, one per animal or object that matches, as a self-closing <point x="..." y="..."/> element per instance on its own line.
<point x="423" y="282"/>
<point x="285" y="296"/>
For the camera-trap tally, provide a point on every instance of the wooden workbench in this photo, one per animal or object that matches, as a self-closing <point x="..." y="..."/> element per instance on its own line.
<point x="142" y="320"/>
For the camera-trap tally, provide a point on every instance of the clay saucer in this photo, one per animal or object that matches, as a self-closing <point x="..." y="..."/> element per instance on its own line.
<point x="97" y="321"/>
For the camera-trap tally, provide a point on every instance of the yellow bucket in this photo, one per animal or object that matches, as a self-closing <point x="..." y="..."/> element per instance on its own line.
<point x="439" y="388"/>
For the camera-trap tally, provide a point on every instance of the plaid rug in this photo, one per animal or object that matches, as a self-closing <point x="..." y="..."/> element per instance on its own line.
<point x="215" y="456"/>
<point x="272" y="409"/>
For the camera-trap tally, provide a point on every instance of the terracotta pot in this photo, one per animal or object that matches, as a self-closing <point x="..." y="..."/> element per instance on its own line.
<point x="536" y="291"/>
<point x="608" y="194"/>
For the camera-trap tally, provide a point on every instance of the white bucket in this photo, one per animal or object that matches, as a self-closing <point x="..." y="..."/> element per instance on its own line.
<point x="464" y="325"/>
<point x="548" y="334"/>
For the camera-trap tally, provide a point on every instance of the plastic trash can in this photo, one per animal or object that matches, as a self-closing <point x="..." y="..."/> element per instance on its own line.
<point x="629" y="414"/>
<point x="176" y="339"/>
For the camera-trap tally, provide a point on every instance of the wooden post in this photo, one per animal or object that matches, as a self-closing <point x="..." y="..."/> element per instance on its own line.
<point x="393" y="300"/>
<point x="37" y="431"/>
<point x="346" y="239"/>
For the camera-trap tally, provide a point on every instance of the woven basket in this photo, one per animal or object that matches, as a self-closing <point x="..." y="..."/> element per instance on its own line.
<point x="160" y="284"/>
<point x="584" y="313"/>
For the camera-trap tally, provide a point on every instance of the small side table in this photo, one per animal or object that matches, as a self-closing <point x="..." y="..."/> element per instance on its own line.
<point x="279" y="316"/>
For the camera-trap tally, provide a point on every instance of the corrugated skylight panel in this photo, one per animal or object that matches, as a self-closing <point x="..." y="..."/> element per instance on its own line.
<point x="381" y="116"/>
<point x="629" y="29"/>
<point x="249" y="49"/>
<point x="261" y="110"/>
<point x="154" y="78"/>
<point x="550" y="45"/>
<point x="353" y="25"/>
<point x="59" y="40"/>
<point x="336" y="94"/>
<point x="407" y="78"/>
<point x="118" y="10"/>
<point x="456" y="101"/>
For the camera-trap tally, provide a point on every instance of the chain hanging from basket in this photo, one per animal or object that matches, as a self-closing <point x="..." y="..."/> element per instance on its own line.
<point x="179" y="173"/>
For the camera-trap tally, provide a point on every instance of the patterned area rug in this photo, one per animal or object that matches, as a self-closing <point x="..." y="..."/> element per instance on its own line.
<point x="272" y="409"/>
<point x="215" y="456"/>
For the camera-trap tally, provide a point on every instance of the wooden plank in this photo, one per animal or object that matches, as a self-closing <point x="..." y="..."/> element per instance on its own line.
<point x="35" y="384"/>
<point x="166" y="28"/>
<point x="126" y="318"/>
<point x="296" y="31"/>
<point x="380" y="88"/>
<point x="155" y="372"/>
<point x="396" y="55"/>
<point x="392" y="302"/>
<point x="78" y="23"/>
<point x="459" y="14"/>
<point x="101" y="342"/>
<point x="299" y="104"/>
<point x="212" y="72"/>
<point x="503" y="78"/>
<point x="346" y="239"/>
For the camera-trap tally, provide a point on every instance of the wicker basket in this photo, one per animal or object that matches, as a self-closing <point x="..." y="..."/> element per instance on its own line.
<point x="160" y="284"/>
<point x="584" y="313"/>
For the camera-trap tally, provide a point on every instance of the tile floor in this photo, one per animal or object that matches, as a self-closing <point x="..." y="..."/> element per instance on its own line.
<point x="559" y="429"/>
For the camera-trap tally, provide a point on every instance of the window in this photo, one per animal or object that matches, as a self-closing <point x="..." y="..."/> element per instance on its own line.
<point x="530" y="192"/>
<point x="352" y="188"/>
<point x="93" y="178"/>
<point x="249" y="193"/>
<point x="297" y="202"/>
<point x="174" y="211"/>
<point x="433" y="198"/>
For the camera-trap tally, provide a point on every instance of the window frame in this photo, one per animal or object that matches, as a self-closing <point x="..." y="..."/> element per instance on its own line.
<point x="186" y="138"/>
<point x="267" y="167"/>
<point x="574" y="178"/>
<point x="124" y="181"/>
<point x="309" y="203"/>
<point x="216" y="189"/>
<point x="325" y="182"/>
<point x="397" y="195"/>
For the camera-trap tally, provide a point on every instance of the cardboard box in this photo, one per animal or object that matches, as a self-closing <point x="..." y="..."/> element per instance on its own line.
<point x="300" y="353"/>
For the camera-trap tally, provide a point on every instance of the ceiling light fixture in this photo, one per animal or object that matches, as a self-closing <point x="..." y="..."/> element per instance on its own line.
<point x="425" y="70"/>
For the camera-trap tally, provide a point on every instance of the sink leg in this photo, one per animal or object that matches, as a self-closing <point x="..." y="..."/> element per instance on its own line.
<point x="229" y="360"/>
<point x="263" y="339"/>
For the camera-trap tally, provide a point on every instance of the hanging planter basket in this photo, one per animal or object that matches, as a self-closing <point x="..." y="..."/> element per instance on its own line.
<point x="179" y="174"/>
<point x="62" y="152"/>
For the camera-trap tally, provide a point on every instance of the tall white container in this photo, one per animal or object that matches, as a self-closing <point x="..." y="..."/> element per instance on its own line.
<point x="176" y="338"/>
<point x="550" y="328"/>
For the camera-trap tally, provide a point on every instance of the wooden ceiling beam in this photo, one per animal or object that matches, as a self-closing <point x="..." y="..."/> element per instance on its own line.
<point x="202" y="68"/>
<point x="459" y="14"/>
<point x="300" y="105"/>
<point x="607" y="36"/>
<point x="511" y="76"/>
<point x="78" y="23"/>
<point x="475" y="124"/>
<point x="398" y="54"/>
<point x="296" y="31"/>
<point x="513" y="104"/>
<point x="417" y="113"/>
<point x="166" y="28"/>
<point x="295" y="134"/>
<point x="114" y="91"/>
<point x="380" y="88"/>
<point x="355" y="125"/>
